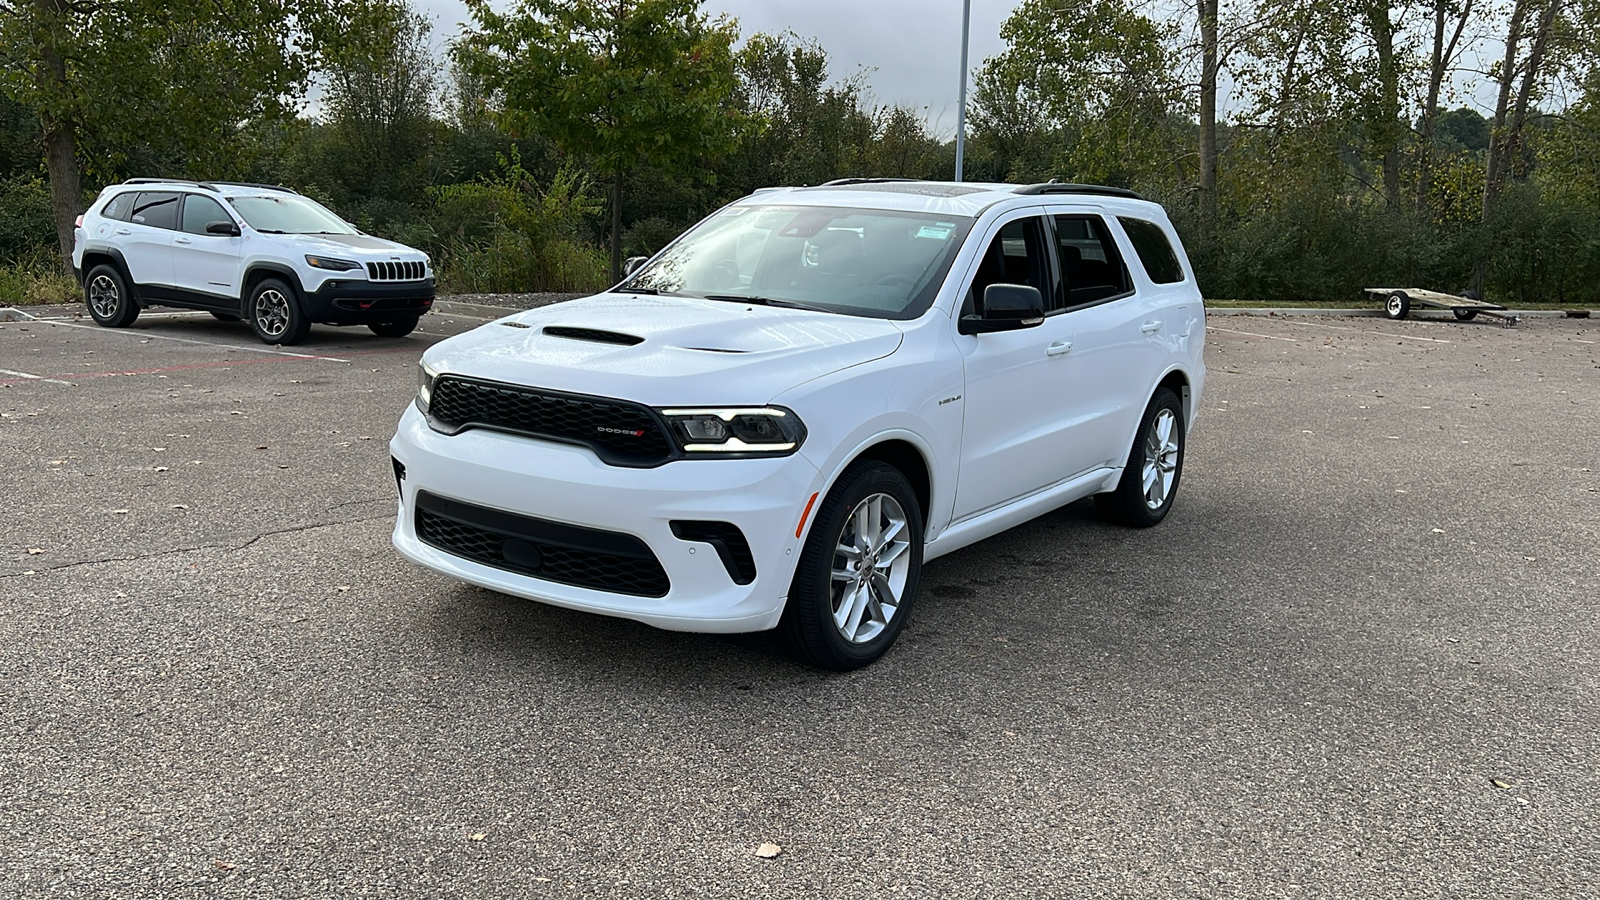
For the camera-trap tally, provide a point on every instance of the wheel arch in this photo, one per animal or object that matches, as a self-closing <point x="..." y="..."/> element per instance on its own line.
<point x="909" y="460"/>
<point x="260" y="271"/>
<point x="105" y="256"/>
<point x="1177" y="381"/>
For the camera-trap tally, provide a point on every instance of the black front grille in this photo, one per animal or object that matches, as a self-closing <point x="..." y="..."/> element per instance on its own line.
<point x="585" y="557"/>
<point x="727" y="540"/>
<point x="619" y="432"/>
<point x="396" y="271"/>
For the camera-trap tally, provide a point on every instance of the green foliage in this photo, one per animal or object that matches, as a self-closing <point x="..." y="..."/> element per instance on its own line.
<point x="35" y="276"/>
<point x="507" y="234"/>
<point x="24" y="218"/>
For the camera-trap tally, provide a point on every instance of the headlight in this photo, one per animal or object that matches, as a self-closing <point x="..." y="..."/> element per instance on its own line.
<point x="736" y="431"/>
<point x="425" y="380"/>
<point x="335" y="265"/>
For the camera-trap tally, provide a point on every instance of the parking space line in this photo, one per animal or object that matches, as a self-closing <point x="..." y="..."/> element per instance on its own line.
<point x="161" y="337"/>
<point x="1403" y="337"/>
<point x="24" y="376"/>
<point x="1270" y="337"/>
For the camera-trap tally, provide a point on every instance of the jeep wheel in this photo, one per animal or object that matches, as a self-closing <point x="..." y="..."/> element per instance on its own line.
<point x="275" y="313"/>
<point x="397" y="328"/>
<point x="1155" y="465"/>
<point x="858" y="574"/>
<point x="106" y="292"/>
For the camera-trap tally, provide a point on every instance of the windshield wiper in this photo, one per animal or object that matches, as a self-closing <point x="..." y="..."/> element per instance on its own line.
<point x="624" y="289"/>
<point x="271" y="231"/>
<point x="763" y="301"/>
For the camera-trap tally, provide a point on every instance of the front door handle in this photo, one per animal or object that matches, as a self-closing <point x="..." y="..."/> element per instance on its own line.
<point x="1058" y="348"/>
<point x="1150" y="327"/>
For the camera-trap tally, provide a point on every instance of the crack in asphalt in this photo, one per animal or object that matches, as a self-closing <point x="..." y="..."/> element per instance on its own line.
<point x="207" y="546"/>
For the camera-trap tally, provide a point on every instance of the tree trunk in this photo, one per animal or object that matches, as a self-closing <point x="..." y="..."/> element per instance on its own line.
<point x="1494" y="165"/>
<point x="1386" y="112"/>
<point x="1444" y="53"/>
<point x="616" y="226"/>
<point x="1208" y="118"/>
<point x="60" y="148"/>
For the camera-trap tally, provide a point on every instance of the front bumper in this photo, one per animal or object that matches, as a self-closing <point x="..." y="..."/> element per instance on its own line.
<point x="569" y="485"/>
<point x="349" y="302"/>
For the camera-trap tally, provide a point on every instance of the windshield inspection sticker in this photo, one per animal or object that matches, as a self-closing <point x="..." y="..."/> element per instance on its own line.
<point x="929" y="231"/>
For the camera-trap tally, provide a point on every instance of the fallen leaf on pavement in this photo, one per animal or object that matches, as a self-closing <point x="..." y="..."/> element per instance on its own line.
<point x="768" y="851"/>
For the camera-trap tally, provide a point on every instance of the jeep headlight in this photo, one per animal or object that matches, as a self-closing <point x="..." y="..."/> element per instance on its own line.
<point x="425" y="378"/>
<point x="735" y="431"/>
<point x="331" y="264"/>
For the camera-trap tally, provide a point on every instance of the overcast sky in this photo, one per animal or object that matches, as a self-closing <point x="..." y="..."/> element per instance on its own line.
<point x="911" y="47"/>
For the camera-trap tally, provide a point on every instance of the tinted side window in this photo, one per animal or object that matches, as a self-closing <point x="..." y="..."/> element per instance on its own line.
<point x="1155" y="251"/>
<point x="118" y="207"/>
<point x="1091" y="268"/>
<point x="158" y="209"/>
<point x="198" y="211"/>
<point x="1015" y="256"/>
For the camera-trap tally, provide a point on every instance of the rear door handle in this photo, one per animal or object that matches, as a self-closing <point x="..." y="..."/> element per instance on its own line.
<point x="1150" y="327"/>
<point x="182" y="241"/>
<point x="1058" y="348"/>
<point x="124" y="231"/>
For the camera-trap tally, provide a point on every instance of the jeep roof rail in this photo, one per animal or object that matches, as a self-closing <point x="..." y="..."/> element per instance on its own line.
<point x="252" y="184"/>
<point x="1056" y="187"/>
<point x="841" y="181"/>
<point x="199" y="184"/>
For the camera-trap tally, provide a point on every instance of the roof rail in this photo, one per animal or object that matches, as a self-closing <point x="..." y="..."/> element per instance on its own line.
<point x="199" y="184"/>
<point x="252" y="184"/>
<point x="842" y="181"/>
<point x="1055" y="187"/>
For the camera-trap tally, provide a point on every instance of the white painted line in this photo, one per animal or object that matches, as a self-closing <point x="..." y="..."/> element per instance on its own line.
<point x="34" y="377"/>
<point x="1270" y="337"/>
<point x="162" y="337"/>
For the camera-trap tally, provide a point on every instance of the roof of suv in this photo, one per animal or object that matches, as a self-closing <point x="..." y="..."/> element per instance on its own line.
<point x="963" y="198"/>
<point x="223" y="188"/>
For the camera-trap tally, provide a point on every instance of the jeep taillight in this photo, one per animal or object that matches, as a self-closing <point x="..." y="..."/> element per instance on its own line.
<point x="79" y="222"/>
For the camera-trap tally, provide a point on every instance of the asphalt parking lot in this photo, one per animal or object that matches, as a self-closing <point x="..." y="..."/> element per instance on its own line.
<point x="1358" y="660"/>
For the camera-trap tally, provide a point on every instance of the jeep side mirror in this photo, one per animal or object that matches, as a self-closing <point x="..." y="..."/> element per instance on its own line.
<point x="222" y="227"/>
<point x="632" y="264"/>
<point x="1006" y="307"/>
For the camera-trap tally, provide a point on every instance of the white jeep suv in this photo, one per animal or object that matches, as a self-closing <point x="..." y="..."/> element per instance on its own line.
<point x="250" y="251"/>
<point x="781" y="416"/>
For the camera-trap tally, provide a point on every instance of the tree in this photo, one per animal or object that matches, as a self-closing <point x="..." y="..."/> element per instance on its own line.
<point x="102" y="76"/>
<point x="622" y="82"/>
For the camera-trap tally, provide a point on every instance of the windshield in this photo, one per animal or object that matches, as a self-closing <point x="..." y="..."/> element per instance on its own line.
<point x="290" y="215"/>
<point x="878" y="263"/>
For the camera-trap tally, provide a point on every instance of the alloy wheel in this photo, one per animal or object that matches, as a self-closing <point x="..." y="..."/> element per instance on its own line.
<point x="272" y="313"/>
<point x="1160" y="458"/>
<point x="103" y="296"/>
<point x="871" y="563"/>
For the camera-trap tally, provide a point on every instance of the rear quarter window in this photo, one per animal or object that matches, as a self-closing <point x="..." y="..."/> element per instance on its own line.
<point x="118" y="207"/>
<point x="1155" y="251"/>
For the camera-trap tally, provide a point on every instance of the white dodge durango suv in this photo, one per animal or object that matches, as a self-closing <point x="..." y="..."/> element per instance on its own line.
<point x="781" y="416"/>
<point x="250" y="251"/>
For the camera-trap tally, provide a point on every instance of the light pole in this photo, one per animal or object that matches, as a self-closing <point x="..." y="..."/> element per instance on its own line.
<point x="961" y="110"/>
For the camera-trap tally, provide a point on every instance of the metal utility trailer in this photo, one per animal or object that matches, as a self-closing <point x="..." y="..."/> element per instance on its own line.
<point x="1397" y="304"/>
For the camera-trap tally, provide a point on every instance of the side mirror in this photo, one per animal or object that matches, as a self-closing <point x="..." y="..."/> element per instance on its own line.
<point x="1006" y="307"/>
<point x="222" y="227"/>
<point x="632" y="264"/>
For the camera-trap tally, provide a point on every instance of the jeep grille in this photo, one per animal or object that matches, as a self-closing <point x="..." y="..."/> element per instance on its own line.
<point x="396" y="271"/>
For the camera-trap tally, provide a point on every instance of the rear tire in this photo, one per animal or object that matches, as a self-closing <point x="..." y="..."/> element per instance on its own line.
<point x="1155" y="466"/>
<point x="106" y="293"/>
<point x="397" y="328"/>
<point x="275" y="313"/>
<point x="1466" y="315"/>
<point x="858" y="574"/>
<point x="1397" y="306"/>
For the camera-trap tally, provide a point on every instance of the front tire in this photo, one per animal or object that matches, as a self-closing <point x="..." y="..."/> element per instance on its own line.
<point x="859" y="571"/>
<point x="275" y="313"/>
<point x="106" y="293"/>
<point x="1397" y="306"/>
<point x="1155" y="466"/>
<point x="395" y="329"/>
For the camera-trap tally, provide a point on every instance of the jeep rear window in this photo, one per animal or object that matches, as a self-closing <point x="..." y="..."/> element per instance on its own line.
<point x="158" y="209"/>
<point x="884" y="264"/>
<point x="289" y="215"/>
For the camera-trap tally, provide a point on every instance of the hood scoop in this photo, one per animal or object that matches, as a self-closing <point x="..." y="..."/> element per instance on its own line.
<point x="593" y="335"/>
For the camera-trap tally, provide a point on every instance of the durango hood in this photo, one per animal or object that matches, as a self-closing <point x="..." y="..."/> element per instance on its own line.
<point x="666" y="351"/>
